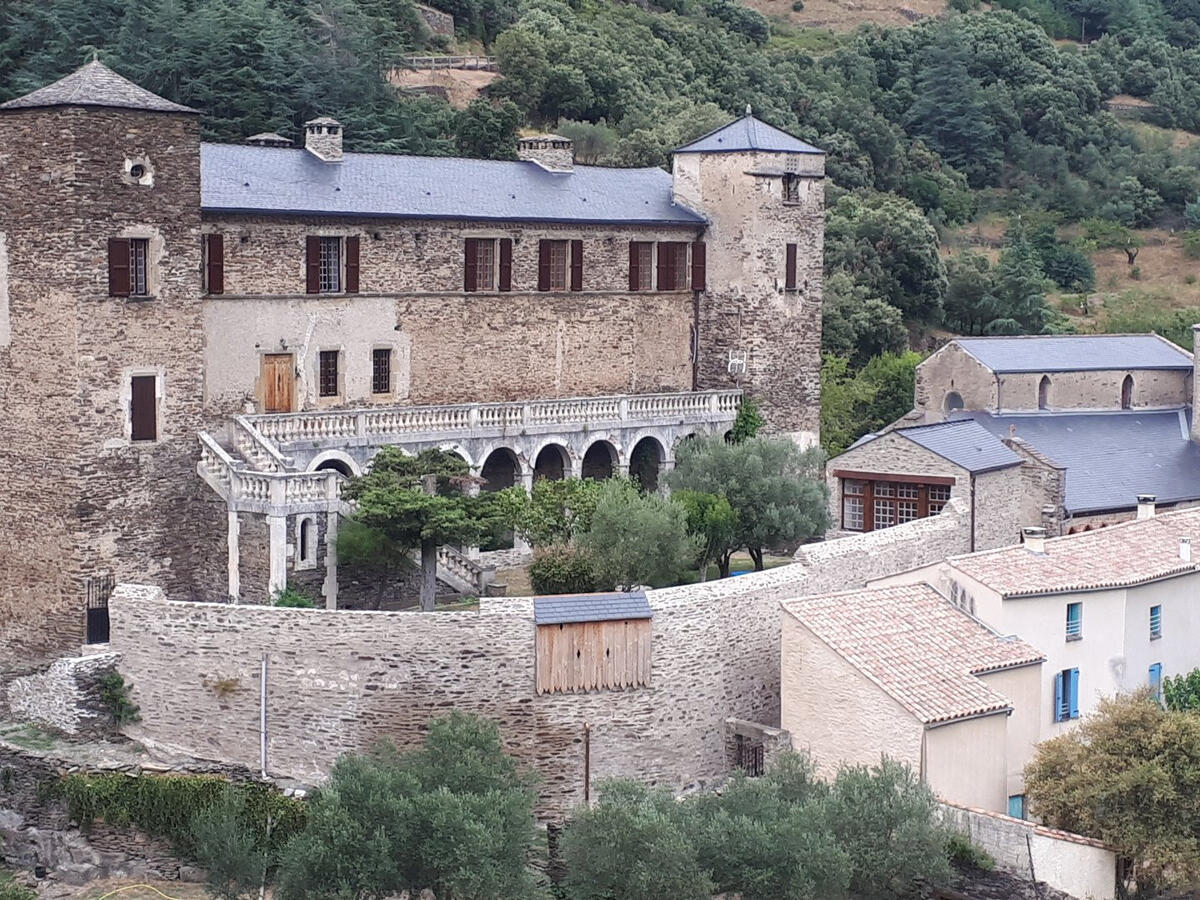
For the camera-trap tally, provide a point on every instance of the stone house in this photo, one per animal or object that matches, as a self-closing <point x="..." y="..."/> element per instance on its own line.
<point x="1095" y="420"/>
<point x="1113" y="609"/>
<point x="266" y="317"/>
<point x="900" y="671"/>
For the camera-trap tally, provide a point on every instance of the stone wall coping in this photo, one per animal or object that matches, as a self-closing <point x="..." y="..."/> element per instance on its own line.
<point x="1044" y="830"/>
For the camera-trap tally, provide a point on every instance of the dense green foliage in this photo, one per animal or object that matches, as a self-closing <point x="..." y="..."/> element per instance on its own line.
<point x="235" y="857"/>
<point x="293" y="598"/>
<point x="10" y="890"/>
<point x="563" y="569"/>
<point x="871" y="833"/>
<point x="455" y="816"/>
<point x="555" y="512"/>
<point x="1182" y="692"/>
<point x="712" y="521"/>
<point x="114" y="694"/>
<point x="854" y="403"/>
<point x="748" y="422"/>
<point x="637" y="538"/>
<point x="1128" y="775"/>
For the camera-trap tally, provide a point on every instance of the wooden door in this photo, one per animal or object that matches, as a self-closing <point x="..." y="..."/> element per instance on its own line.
<point x="279" y="381"/>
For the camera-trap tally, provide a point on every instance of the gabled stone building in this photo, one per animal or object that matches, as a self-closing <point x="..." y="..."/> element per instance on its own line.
<point x="268" y="317"/>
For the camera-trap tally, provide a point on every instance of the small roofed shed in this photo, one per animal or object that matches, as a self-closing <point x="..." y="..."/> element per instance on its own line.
<point x="592" y="642"/>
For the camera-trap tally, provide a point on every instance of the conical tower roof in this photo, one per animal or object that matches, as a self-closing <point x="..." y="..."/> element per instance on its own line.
<point x="95" y="84"/>
<point x="747" y="133"/>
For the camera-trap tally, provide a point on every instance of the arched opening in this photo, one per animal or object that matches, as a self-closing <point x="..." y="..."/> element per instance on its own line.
<point x="953" y="401"/>
<point x="500" y="470"/>
<point x="335" y="465"/>
<point x="600" y="461"/>
<point x="1127" y="392"/>
<point x="551" y="464"/>
<point x="1044" y="392"/>
<point x="645" y="461"/>
<point x="729" y="436"/>
<point x="306" y="543"/>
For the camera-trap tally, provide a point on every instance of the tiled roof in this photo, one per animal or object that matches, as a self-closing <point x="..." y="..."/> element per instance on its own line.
<point x="1121" y="555"/>
<point x="241" y="178"/>
<point x="561" y="609"/>
<point x="964" y="443"/>
<point x="1110" y="457"/>
<point x="748" y="133"/>
<point x="1075" y="353"/>
<point x="918" y="647"/>
<point x="95" y="84"/>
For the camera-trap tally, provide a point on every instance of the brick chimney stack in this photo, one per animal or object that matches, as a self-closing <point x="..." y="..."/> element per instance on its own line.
<point x="552" y="152"/>
<point x="323" y="139"/>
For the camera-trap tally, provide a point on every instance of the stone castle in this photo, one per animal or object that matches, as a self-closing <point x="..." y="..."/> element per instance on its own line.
<point x="199" y="341"/>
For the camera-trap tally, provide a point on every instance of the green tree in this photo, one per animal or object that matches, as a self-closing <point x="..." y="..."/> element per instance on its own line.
<point x="455" y="816"/>
<point x="234" y="856"/>
<point x="970" y="293"/>
<point x="712" y="521"/>
<point x="1182" y="692"/>
<point x="371" y="553"/>
<point x="487" y="130"/>
<point x="563" y="569"/>
<point x="634" y="843"/>
<point x="1127" y="775"/>
<point x="748" y="422"/>
<point x="1019" y="288"/>
<point x="555" y="512"/>
<point x="419" y="502"/>
<point x="775" y="488"/>
<point x="637" y="539"/>
<point x="857" y="325"/>
<point x="857" y="403"/>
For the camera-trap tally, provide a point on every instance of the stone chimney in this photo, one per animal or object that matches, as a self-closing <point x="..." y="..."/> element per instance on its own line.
<point x="1185" y="549"/>
<point x="323" y="139"/>
<point x="552" y="152"/>
<point x="1035" y="539"/>
<point x="1195" y="384"/>
<point x="268" y="139"/>
<point x="1145" y="507"/>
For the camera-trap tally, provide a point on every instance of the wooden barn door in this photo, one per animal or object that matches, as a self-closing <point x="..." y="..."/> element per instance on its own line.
<point x="279" y="382"/>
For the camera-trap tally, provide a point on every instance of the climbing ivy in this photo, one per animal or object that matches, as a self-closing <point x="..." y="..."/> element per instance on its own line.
<point x="165" y="806"/>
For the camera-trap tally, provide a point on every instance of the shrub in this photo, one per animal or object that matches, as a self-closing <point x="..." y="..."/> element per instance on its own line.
<point x="797" y="5"/>
<point x="114" y="694"/>
<point x="1136" y="273"/>
<point x="1191" y="244"/>
<point x="10" y="890"/>
<point x="562" y="569"/>
<point x="748" y="423"/>
<point x="293" y="598"/>
<point x="234" y="856"/>
<point x="967" y="855"/>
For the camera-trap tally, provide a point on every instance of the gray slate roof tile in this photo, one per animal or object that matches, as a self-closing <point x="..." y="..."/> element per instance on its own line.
<point x="237" y="178"/>
<point x="748" y="133"/>
<point x="95" y="84"/>
<point x="561" y="609"/>
<point x="1075" y="353"/>
<point x="965" y="443"/>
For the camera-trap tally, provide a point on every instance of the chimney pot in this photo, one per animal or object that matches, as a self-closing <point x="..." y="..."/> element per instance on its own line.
<point x="1185" y="549"/>
<point x="323" y="138"/>
<point x="1145" y="506"/>
<point x="1035" y="539"/>
<point x="552" y="152"/>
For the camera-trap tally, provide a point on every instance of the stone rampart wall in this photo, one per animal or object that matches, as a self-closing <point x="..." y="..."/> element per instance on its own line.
<point x="65" y="696"/>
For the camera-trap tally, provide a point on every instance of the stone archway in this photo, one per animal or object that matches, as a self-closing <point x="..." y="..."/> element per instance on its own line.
<point x="645" y="463"/>
<point x="500" y="470"/>
<point x="552" y="463"/>
<point x="337" y="461"/>
<point x="600" y="461"/>
<point x="334" y="465"/>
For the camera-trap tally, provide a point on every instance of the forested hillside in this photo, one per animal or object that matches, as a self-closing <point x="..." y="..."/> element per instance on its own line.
<point x="978" y="117"/>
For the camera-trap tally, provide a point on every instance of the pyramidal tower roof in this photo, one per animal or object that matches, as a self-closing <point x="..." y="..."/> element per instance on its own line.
<point x="748" y="133"/>
<point x="95" y="84"/>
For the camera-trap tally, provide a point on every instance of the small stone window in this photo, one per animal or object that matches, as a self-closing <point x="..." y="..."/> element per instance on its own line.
<point x="327" y="381"/>
<point x="143" y="408"/>
<point x="381" y="370"/>
<point x="331" y="265"/>
<point x="791" y="188"/>
<point x="306" y="543"/>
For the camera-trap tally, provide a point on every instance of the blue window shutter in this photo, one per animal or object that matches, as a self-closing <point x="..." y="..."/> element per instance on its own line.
<point x="1016" y="806"/>
<point x="1074" y="692"/>
<point x="1156" y="680"/>
<point x="1058" y="697"/>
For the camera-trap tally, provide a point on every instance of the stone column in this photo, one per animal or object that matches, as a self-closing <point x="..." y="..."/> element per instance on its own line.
<point x="234" y="565"/>
<point x="278" y="531"/>
<point x="330" y="587"/>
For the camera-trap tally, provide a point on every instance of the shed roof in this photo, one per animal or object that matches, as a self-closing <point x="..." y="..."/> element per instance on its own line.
<point x="563" y="609"/>
<point x="252" y="179"/>
<point x="964" y="443"/>
<point x="748" y="133"/>
<point x="922" y="650"/>
<point x="1122" y="555"/>
<point x="1075" y="352"/>
<point x="95" y="84"/>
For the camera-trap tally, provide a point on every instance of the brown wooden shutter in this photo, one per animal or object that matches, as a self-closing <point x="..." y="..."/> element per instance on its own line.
<point x="699" y="266"/>
<point x="143" y="415"/>
<point x="665" y="280"/>
<point x="118" y="267"/>
<point x="790" y="273"/>
<point x="352" y="253"/>
<point x="312" y="264"/>
<point x="635" y="269"/>
<point x="577" y="265"/>
<point x="471" y="265"/>
<point x="506" y="264"/>
<point x="215" y="263"/>
<point x="544" y="265"/>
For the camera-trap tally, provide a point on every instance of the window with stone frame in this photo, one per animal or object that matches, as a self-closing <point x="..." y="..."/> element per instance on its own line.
<point x="641" y="254"/>
<point x="331" y="265"/>
<point x="480" y="264"/>
<point x="791" y="188"/>
<point x="381" y="370"/>
<point x="327" y="380"/>
<point x="557" y="252"/>
<point x="871" y="504"/>
<point x="139" y="267"/>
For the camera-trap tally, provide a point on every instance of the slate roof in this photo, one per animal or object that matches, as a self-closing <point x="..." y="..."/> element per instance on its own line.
<point x="965" y="443"/>
<point x="95" y="84"/>
<point x="748" y="133"/>
<point x="1122" y="555"/>
<point x="241" y="178"/>
<point x="918" y="647"/>
<point x="562" y="609"/>
<point x="1110" y="457"/>
<point x="1075" y="353"/>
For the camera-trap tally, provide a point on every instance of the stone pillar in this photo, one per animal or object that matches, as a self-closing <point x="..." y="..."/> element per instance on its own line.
<point x="235" y="570"/>
<point x="278" y="531"/>
<point x="330" y="587"/>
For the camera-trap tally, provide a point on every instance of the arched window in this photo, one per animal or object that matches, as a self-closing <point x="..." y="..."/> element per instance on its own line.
<point x="306" y="543"/>
<point x="1127" y="392"/>
<point x="954" y="401"/>
<point x="1044" y="392"/>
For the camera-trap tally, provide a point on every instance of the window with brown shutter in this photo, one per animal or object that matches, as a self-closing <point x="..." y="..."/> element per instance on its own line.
<point x="505" y="264"/>
<point x="312" y="264"/>
<point x="577" y="265"/>
<point x="789" y="282"/>
<point x="118" y="267"/>
<point x="641" y="265"/>
<point x="699" y="266"/>
<point x="327" y="380"/>
<point x="352" y="255"/>
<point x="143" y="408"/>
<point x="479" y="264"/>
<point x="672" y="265"/>
<point x="214" y="263"/>
<point x="381" y="370"/>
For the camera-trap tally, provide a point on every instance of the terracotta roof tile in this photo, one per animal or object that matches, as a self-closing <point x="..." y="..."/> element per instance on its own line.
<point x="917" y="646"/>
<point x="1123" y="555"/>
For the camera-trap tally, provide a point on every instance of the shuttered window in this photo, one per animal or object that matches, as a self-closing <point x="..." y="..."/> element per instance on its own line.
<point x="1075" y="621"/>
<point x="381" y="370"/>
<point x="699" y="266"/>
<point x="143" y="408"/>
<point x="118" y="267"/>
<point x="214" y="263"/>
<point x="1155" y="622"/>
<point x="1066" y="695"/>
<point x="506" y="250"/>
<point x="1156" y="681"/>
<point x="352" y="266"/>
<point x="641" y="265"/>
<point x="479" y="264"/>
<point x="328" y="373"/>
<point x="552" y="265"/>
<point x="577" y="265"/>
<point x="789" y="278"/>
<point x="672" y="265"/>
